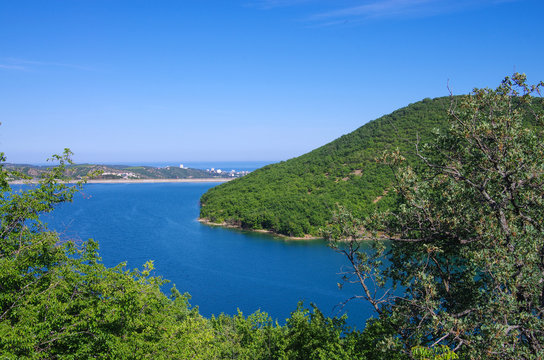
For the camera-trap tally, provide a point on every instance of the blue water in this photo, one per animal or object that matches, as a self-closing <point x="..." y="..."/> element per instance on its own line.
<point x="222" y="269"/>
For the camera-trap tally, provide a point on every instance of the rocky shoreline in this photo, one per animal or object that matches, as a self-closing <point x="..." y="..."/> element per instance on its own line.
<point x="225" y="225"/>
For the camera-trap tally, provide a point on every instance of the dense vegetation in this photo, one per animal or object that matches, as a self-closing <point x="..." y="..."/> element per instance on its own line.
<point x="467" y="236"/>
<point x="116" y="172"/>
<point x="466" y="256"/>
<point x="298" y="196"/>
<point x="58" y="301"/>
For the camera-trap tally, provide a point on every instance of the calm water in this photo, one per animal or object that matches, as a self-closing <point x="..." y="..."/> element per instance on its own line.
<point x="222" y="269"/>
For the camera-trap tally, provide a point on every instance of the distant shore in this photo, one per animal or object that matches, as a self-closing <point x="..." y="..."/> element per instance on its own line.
<point x="269" y="232"/>
<point x="136" y="181"/>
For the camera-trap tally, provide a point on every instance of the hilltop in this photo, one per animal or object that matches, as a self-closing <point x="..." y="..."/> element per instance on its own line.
<point x="298" y="197"/>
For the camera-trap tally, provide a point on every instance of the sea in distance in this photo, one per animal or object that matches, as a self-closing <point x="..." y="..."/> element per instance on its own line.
<point x="222" y="269"/>
<point x="202" y="165"/>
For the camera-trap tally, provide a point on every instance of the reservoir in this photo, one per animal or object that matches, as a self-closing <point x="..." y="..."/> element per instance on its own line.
<point x="222" y="269"/>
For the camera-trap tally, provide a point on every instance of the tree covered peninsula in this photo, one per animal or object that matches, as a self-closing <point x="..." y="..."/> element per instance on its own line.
<point x="297" y="197"/>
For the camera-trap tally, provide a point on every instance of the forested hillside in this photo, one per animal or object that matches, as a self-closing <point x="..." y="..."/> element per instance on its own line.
<point x="297" y="197"/>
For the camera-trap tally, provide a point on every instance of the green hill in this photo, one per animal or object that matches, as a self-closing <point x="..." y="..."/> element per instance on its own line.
<point x="297" y="197"/>
<point x="119" y="172"/>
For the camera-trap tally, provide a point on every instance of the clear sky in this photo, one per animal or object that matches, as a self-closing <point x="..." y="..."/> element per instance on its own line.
<point x="193" y="80"/>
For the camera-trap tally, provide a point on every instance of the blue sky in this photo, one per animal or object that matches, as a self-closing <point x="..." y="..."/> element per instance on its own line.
<point x="183" y="80"/>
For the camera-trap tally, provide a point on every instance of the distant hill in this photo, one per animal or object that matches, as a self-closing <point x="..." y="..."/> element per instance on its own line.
<point x="122" y="172"/>
<point x="297" y="197"/>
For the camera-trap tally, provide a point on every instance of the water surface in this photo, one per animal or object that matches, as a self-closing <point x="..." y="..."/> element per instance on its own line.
<point x="223" y="269"/>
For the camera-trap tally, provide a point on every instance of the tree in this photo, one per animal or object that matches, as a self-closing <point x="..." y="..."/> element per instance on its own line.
<point x="466" y="239"/>
<point x="57" y="300"/>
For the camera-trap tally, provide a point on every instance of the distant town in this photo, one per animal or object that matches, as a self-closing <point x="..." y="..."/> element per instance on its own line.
<point x="232" y="173"/>
<point x="123" y="172"/>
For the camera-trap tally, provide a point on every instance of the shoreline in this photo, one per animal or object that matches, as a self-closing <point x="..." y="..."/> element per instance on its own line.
<point x="261" y="231"/>
<point x="205" y="221"/>
<point x="135" y="181"/>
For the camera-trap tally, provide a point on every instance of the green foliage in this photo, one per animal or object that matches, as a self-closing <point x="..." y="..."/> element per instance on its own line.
<point x="377" y="341"/>
<point x="438" y="353"/>
<point x="252" y="337"/>
<point x="298" y="196"/>
<point x="306" y="335"/>
<point x="466" y="240"/>
<point x="58" y="301"/>
<point x="313" y="336"/>
<point x="466" y="247"/>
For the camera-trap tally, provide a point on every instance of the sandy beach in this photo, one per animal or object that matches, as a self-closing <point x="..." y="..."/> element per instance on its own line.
<point x="136" y="181"/>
